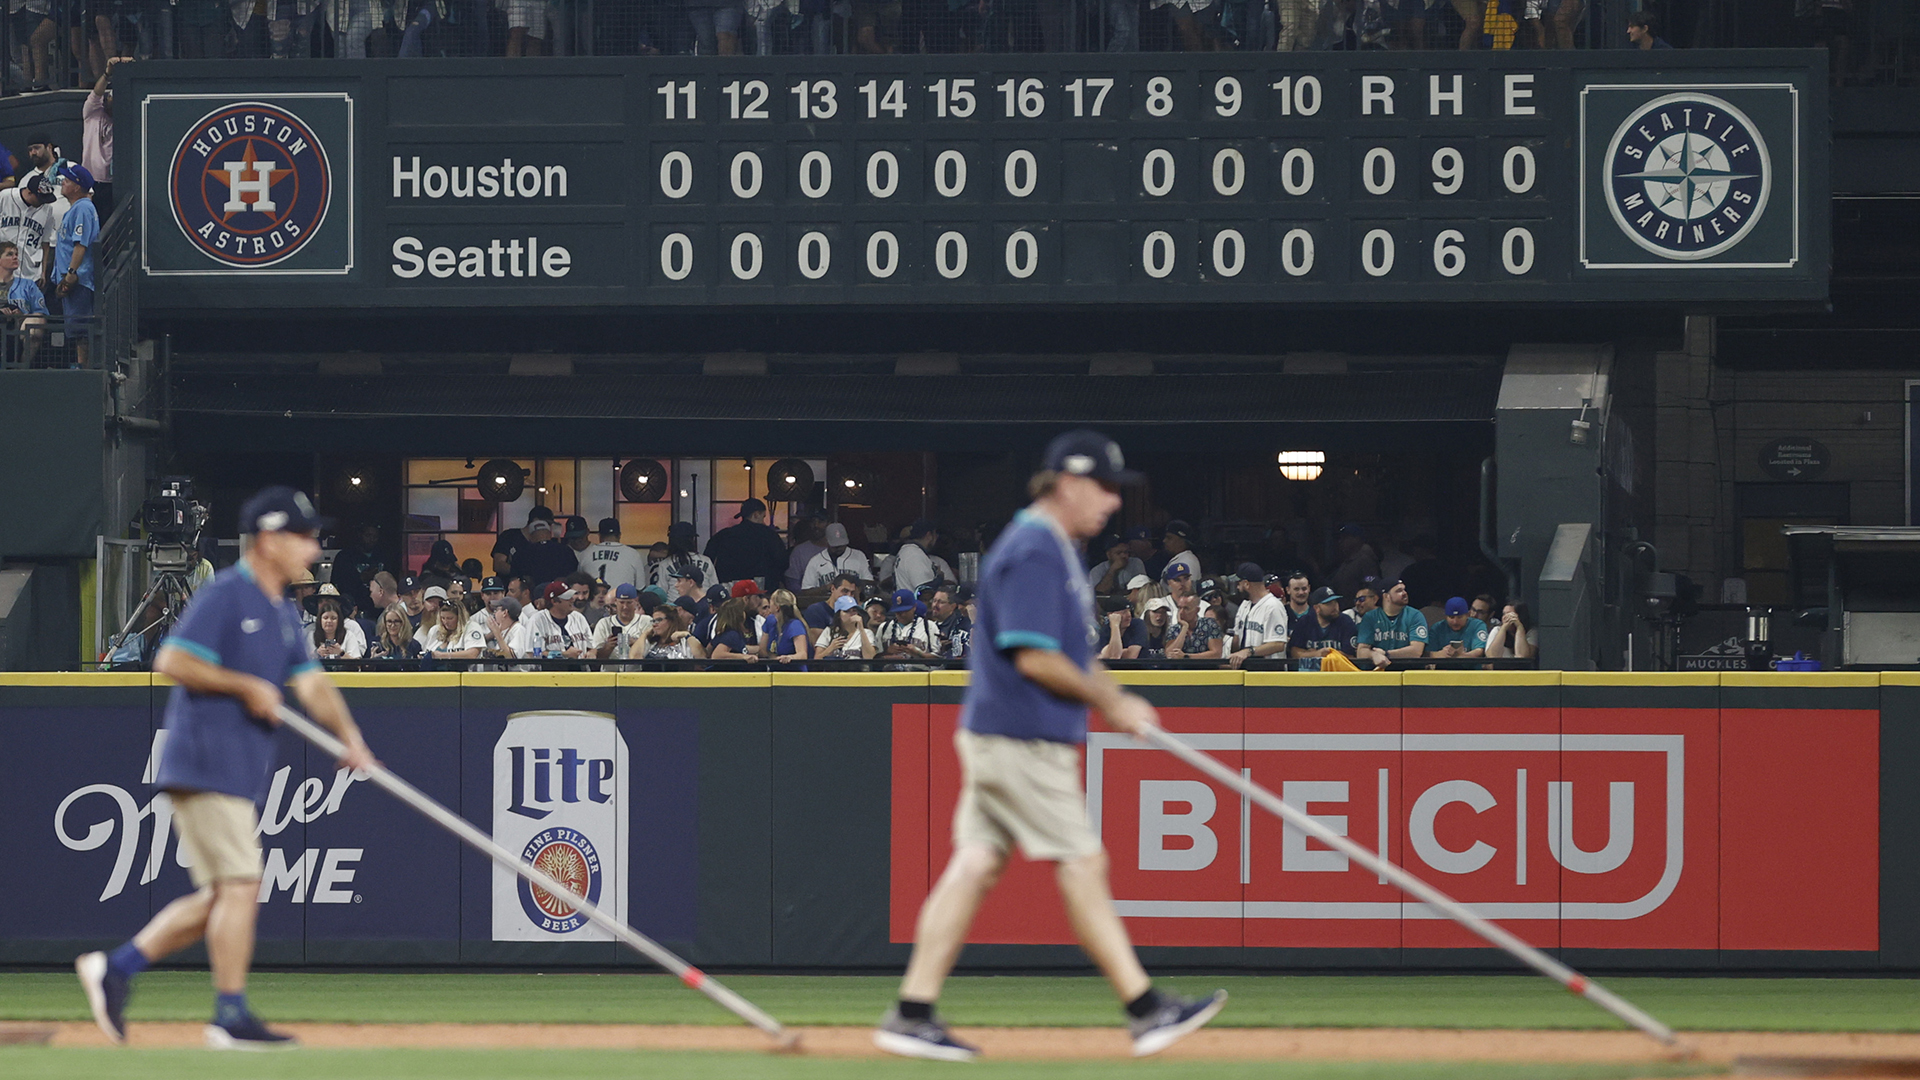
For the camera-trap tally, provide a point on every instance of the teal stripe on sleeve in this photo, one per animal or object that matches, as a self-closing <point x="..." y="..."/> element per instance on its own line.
<point x="194" y="649"/>
<point x="1024" y="639"/>
<point x="311" y="665"/>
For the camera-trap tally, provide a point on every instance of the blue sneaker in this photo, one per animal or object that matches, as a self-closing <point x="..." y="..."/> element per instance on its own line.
<point x="1175" y="1019"/>
<point x="927" y="1039"/>
<point x="107" y="993"/>
<point x="247" y="1033"/>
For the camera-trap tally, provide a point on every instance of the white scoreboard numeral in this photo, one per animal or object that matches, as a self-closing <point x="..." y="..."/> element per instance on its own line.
<point x="893" y="101"/>
<point x="1229" y="172"/>
<point x="1022" y="172"/>
<point x="953" y="97"/>
<point x="814" y="100"/>
<point x="950" y="255"/>
<point x="746" y="256"/>
<point x="1027" y="101"/>
<point x="1296" y="171"/>
<point x="1156" y="172"/>
<point x="1296" y="252"/>
<point x="1376" y="253"/>
<point x="1518" y="169"/>
<point x="670" y="92"/>
<point x="883" y="174"/>
<point x="1229" y="253"/>
<point x="1078" y="89"/>
<point x="676" y="174"/>
<point x="816" y="174"/>
<point x="1377" y="171"/>
<point x="1449" y="258"/>
<point x="1299" y="96"/>
<point x="1516" y="251"/>
<point x="1156" y="254"/>
<point x="1159" y="96"/>
<point x="954" y="162"/>
<point x="815" y="255"/>
<point x="746" y="174"/>
<point x="1226" y="92"/>
<point x="676" y="256"/>
<point x="1023" y="254"/>
<point x="747" y="101"/>
<point x="1449" y="170"/>
<point x="883" y="254"/>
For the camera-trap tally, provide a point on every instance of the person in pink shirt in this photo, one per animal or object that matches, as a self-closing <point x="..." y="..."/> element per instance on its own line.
<point x="96" y="138"/>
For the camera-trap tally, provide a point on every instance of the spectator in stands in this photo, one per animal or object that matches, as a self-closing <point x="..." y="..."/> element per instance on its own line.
<point x="837" y="557"/>
<point x="732" y="637"/>
<point x="1176" y="543"/>
<point x="1515" y="637"/>
<point x="784" y="636"/>
<point x="1482" y="608"/>
<point x="21" y="303"/>
<point x="1140" y="590"/>
<point x="907" y="634"/>
<point x="558" y="631"/>
<point x="492" y="590"/>
<point x="683" y="543"/>
<point x="1192" y="23"/>
<point x="1110" y="578"/>
<point x="669" y="638"/>
<point x="351" y="22"/>
<point x="200" y="29"/>
<point x="548" y="558"/>
<point x="614" y="635"/>
<point x="1200" y="637"/>
<point x="336" y="637"/>
<point x="1295" y="596"/>
<point x="848" y="638"/>
<point x="1640" y="31"/>
<point x="1161" y="628"/>
<point x="432" y="598"/>
<point x="301" y="590"/>
<point x="1365" y="599"/>
<point x="585" y="588"/>
<point x="1457" y="635"/>
<point x="913" y="566"/>
<point x="716" y="26"/>
<point x="442" y="564"/>
<point x="96" y="138"/>
<point x="750" y="550"/>
<point x="804" y="532"/>
<point x="1551" y="23"/>
<point x="656" y="554"/>
<point x="1259" y="626"/>
<point x="1177" y="577"/>
<point x="612" y="561"/>
<point x="820" y="615"/>
<point x="1358" y="562"/>
<point x="33" y="32"/>
<point x="290" y="29"/>
<point x="450" y="638"/>
<point x="26" y="219"/>
<point x="1392" y="631"/>
<point x="1323" y="629"/>
<point x="956" y="628"/>
<point x="393" y="639"/>
<point x="509" y="544"/>
<point x="73" y="257"/>
<point x="502" y="629"/>
<point x="1121" y="635"/>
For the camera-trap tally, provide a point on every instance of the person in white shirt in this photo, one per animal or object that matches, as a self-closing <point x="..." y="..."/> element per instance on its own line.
<point x="26" y="218"/>
<point x="618" y="631"/>
<point x="682" y="551"/>
<point x="837" y="557"/>
<point x="912" y="566"/>
<point x="848" y="638"/>
<point x="431" y="602"/>
<point x="336" y="637"/>
<point x="1260" y="626"/>
<point x="558" y="631"/>
<point x="908" y="634"/>
<point x="612" y="561"/>
<point x="492" y="591"/>
<point x="449" y="637"/>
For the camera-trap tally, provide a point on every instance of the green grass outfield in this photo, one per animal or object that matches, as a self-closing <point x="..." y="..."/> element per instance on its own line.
<point x="1466" y="1001"/>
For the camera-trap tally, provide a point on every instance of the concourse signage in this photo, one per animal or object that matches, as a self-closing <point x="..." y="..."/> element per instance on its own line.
<point x="941" y="181"/>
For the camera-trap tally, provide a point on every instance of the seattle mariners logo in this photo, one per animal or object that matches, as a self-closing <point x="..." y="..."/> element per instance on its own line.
<point x="568" y="856"/>
<point x="250" y="184"/>
<point x="1687" y="176"/>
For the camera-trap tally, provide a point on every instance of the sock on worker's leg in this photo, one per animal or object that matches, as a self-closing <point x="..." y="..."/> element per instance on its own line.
<point x="127" y="961"/>
<point x="229" y="1009"/>
<point x="916" y="1010"/>
<point x="1144" y="1004"/>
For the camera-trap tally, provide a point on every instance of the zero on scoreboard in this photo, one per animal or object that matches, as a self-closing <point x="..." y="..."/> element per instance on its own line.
<point x="1143" y="178"/>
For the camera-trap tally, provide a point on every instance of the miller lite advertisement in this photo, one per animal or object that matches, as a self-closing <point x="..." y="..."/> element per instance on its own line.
<point x="560" y="792"/>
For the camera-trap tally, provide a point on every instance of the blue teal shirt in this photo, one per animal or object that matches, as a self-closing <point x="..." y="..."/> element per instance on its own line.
<point x="80" y="226"/>
<point x="1472" y="636"/>
<point x="212" y="743"/>
<point x="1398" y="632"/>
<point x="26" y="296"/>
<point x="1033" y="594"/>
<point x="1307" y="633"/>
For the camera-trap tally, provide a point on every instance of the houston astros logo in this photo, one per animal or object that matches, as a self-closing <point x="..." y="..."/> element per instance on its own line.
<point x="1687" y="176"/>
<point x="568" y="856"/>
<point x="250" y="184"/>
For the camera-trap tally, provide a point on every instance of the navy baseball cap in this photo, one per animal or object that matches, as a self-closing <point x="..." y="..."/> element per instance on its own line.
<point x="1178" y="528"/>
<point x="750" y="506"/>
<point x="625" y="591"/>
<point x="1176" y="570"/>
<point x="280" y="509"/>
<point x="681" y="528"/>
<point x="719" y="593"/>
<point x="1139" y="532"/>
<point x="493" y="584"/>
<point x="688" y="605"/>
<point x="1090" y="454"/>
<point x="408" y="584"/>
<point x="920" y="527"/>
<point x="576" y="526"/>
<point x="688" y="569"/>
<point x="40" y="185"/>
<point x="903" y="600"/>
<point x="1324" y="595"/>
<point x="1249" y="571"/>
<point x="78" y="174"/>
<point x="1457" y="606"/>
<point x="609" y="526"/>
<point x="539" y="513"/>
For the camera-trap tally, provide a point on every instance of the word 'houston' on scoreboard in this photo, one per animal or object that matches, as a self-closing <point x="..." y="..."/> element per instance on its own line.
<point x="1272" y="178"/>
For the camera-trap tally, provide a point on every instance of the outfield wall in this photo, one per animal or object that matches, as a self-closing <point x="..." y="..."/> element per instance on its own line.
<point x="1708" y="822"/>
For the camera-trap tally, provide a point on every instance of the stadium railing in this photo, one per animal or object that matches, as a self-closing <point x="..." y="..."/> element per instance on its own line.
<point x="877" y="664"/>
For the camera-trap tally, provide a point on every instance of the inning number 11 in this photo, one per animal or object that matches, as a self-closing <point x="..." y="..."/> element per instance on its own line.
<point x="670" y="91"/>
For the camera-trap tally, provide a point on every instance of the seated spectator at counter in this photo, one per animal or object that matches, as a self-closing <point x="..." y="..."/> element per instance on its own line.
<point x="784" y="634"/>
<point x="441" y="562"/>
<point x="336" y="637"/>
<point x="450" y="638"/>
<point x="732" y="637"/>
<point x="1365" y="599"/>
<point x="1199" y="636"/>
<point x="393" y="636"/>
<point x="548" y="558"/>
<point x="681" y="556"/>
<point x="819" y="614"/>
<point x="1516" y="637"/>
<point x="848" y="638"/>
<point x="836" y="558"/>
<point x="912" y="565"/>
<point x="1323" y="629"/>
<point x="1178" y="579"/>
<point x="907" y="634"/>
<point x="1392" y="631"/>
<point x="1161" y="628"/>
<point x="559" y="631"/>
<point x="1122" y="636"/>
<point x="1457" y="635"/>
<point x="1110" y="578"/>
<point x="431" y="600"/>
<point x="491" y="590"/>
<point x="1482" y="608"/>
<point x="670" y="637"/>
<point x="1294" y="594"/>
<point x="1640" y="31"/>
<point x="956" y="628"/>
<point x="614" y="635"/>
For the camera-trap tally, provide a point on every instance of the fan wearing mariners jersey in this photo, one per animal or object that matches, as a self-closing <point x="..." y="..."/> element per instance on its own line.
<point x="1022" y="723"/>
<point x="612" y="561"/>
<point x="26" y="218"/>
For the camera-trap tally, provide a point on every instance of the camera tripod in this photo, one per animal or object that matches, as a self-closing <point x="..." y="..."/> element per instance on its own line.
<point x="169" y="593"/>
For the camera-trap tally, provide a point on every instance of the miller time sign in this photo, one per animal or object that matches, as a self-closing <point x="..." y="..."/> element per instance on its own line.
<point x="1702" y="176"/>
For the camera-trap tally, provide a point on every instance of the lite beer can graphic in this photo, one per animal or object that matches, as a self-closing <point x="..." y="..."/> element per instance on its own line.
<point x="560" y="799"/>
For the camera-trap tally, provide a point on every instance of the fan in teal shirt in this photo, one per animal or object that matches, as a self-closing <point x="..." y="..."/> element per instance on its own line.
<point x="1392" y="631"/>
<point x="1457" y="635"/>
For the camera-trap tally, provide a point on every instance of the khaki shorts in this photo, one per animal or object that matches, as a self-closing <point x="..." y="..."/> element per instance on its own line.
<point x="219" y="834"/>
<point x="1024" y="791"/>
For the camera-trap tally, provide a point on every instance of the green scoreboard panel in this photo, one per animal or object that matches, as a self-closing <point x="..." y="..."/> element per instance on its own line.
<point x="1180" y="179"/>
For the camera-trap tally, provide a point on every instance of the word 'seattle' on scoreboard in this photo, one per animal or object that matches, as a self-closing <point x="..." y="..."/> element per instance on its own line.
<point x="932" y="181"/>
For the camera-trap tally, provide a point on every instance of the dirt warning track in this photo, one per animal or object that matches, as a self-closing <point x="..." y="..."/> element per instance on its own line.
<point x="1224" y="1044"/>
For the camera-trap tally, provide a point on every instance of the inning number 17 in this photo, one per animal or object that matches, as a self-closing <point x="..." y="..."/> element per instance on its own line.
<point x="1078" y="89"/>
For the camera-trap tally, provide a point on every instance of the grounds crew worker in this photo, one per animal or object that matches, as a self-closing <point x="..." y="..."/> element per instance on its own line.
<point x="1021" y="726"/>
<point x="237" y="645"/>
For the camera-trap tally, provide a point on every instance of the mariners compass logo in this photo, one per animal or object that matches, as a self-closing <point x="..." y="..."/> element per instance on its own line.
<point x="1688" y="176"/>
<point x="250" y="184"/>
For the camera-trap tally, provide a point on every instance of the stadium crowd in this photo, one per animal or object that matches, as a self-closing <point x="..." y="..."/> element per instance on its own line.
<point x="558" y="591"/>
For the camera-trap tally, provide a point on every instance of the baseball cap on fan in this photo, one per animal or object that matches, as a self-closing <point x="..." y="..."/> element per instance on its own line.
<point x="1090" y="454"/>
<point x="280" y="509"/>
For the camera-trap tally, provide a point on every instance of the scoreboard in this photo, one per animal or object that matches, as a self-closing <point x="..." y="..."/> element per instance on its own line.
<point x="1246" y="178"/>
